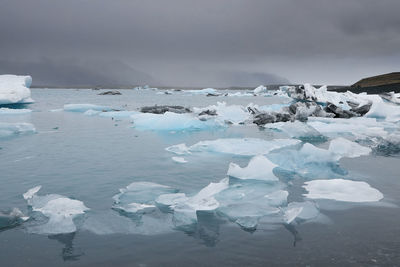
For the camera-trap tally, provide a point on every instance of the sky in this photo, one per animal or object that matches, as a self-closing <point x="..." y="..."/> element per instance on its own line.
<point x="196" y="43"/>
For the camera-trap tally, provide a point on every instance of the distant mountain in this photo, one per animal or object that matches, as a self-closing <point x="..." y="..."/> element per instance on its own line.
<point x="378" y="84"/>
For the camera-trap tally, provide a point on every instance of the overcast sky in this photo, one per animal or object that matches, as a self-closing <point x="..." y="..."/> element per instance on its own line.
<point x="199" y="43"/>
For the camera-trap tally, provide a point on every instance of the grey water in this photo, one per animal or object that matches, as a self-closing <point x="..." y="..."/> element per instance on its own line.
<point x="90" y="158"/>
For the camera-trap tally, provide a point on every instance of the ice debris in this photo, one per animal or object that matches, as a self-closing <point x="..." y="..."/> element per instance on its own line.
<point x="179" y="159"/>
<point x="10" y="111"/>
<point x="12" y="218"/>
<point x="85" y="107"/>
<point x="170" y="121"/>
<point x="342" y="190"/>
<point x="235" y="146"/>
<point x="60" y="211"/>
<point x="10" y="129"/>
<point x="15" y="89"/>
<point x="259" y="168"/>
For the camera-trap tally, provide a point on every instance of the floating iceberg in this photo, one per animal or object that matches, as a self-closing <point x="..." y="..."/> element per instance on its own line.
<point x="342" y="190"/>
<point x="233" y="114"/>
<point x="359" y="127"/>
<point x="139" y="197"/>
<point x="345" y="148"/>
<point x="10" y="129"/>
<point x="297" y="129"/>
<point x="15" y="89"/>
<point x="259" y="168"/>
<point x="260" y="89"/>
<point x="170" y="121"/>
<point x="246" y="202"/>
<point x="85" y="107"/>
<point x="204" y="91"/>
<point x="179" y="159"/>
<point x="235" y="146"/>
<point x="59" y="210"/>
<point x="10" y="111"/>
<point x="300" y="210"/>
<point x="12" y="218"/>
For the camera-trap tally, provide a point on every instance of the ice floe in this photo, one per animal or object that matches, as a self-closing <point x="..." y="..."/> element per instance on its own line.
<point x="300" y="210"/>
<point x="223" y="113"/>
<point x="259" y="168"/>
<point x="205" y="91"/>
<point x="298" y="129"/>
<point x="60" y="212"/>
<point x="10" y="111"/>
<point x="15" y="89"/>
<point x="82" y="108"/>
<point x="139" y="197"/>
<point x="235" y="146"/>
<point x="170" y="121"/>
<point x="342" y="190"/>
<point x="10" y="129"/>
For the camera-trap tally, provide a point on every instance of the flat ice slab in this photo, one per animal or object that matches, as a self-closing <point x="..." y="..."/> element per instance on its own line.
<point x="15" y="89"/>
<point x="342" y="190"/>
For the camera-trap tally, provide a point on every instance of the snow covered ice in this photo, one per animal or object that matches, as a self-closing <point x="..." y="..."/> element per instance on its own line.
<point x="342" y="190"/>
<point x="60" y="212"/>
<point x="15" y="89"/>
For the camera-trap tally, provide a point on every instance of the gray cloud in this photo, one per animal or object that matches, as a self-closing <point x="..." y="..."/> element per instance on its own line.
<point x="183" y="42"/>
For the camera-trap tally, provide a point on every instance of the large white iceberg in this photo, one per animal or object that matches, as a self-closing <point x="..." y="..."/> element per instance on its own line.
<point x="235" y="146"/>
<point x="60" y="211"/>
<point x="170" y="121"/>
<point x="259" y="168"/>
<point x="15" y="89"/>
<point x="342" y="190"/>
<point x="260" y="89"/>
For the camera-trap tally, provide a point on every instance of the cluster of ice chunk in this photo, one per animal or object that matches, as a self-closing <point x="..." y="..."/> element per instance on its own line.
<point x="15" y="89"/>
<point x="59" y="211"/>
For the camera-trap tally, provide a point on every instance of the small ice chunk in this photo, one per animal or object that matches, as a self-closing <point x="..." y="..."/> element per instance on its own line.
<point x="140" y="197"/>
<point x="302" y="210"/>
<point x="234" y="114"/>
<point x="82" y="108"/>
<point x="9" y="129"/>
<point x="260" y="89"/>
<point x="60" y="211"/>
<point x="235" y="146"/>
<point x="15" y="89"/>
<point x="342" y="190"/>
<point x="179" y="159"/>
<point x="204" y="91"/>
<point x="259" y="168"/>
<point x="345" y="148"/>
<point x="12" y="218"/>
<point x="170" y="121"/>
<point x="10" y="111"/>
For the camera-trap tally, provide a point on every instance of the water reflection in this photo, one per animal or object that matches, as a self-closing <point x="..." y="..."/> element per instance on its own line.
<point x="69" y="252"/>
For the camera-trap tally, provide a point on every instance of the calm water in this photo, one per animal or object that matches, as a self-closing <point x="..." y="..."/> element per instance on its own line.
<point x="90" y="157"/>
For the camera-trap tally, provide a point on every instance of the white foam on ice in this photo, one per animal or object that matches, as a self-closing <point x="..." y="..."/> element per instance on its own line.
<point x="85" y="107"/>
<point x="170" y="121"/>
<point x="342" y="190"/>
<point x="235" y="146"/>
<point x="10" y="111"/>
<point x="10" y="129"/>
<point x="15" y="89"/>
<point x="60" y="211"/>
<point x="259" y="168"/>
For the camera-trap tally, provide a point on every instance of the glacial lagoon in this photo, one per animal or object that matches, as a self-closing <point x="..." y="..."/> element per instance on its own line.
<point x="125" y="188"/>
